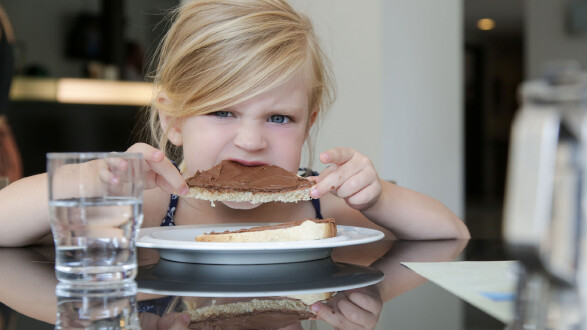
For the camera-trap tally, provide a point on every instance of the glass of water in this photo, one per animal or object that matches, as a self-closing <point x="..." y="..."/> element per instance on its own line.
<point x="95" y="202"/>
<point x="109" y="306"/>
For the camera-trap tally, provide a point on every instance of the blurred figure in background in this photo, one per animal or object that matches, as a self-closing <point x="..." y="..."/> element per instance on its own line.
<point x="10" y="162"/>
<point x="134" y="67"/>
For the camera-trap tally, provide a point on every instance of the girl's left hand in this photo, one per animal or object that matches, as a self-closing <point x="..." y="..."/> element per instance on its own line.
<point x="354" y="309"/>
<point x="350" y="176"/>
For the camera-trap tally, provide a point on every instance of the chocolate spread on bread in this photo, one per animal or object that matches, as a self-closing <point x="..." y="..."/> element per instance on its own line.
<point x="273" y="227"/>
<point x="232" y="176"/>
<point x="254" y="320"/>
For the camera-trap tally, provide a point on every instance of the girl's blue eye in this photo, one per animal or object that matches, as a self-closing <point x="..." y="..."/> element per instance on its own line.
<point x="221" y="114"/>
<point x="279" y="119"/>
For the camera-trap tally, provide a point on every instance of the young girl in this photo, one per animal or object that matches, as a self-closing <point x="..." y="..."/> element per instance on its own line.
<point x="245" y="81"/>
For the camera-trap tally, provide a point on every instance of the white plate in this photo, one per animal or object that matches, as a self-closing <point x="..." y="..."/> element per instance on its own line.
<point x="204" y="280"/>
<point x="178" y="244"/>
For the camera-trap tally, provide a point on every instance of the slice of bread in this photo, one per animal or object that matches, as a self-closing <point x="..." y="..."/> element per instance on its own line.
<point x="250" y="197"/>
<point x="309" y="229"/>
<point x="231" y="181"/>
<point x="257" y="306"/>
<point x="255" y="313"/>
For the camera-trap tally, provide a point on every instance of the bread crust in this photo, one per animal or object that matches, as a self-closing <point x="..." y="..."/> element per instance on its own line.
<point x="309" y="229"/>
<point x="259" y="305"/>
<point x="248" y="196"/>
<point x="257" y="313"/>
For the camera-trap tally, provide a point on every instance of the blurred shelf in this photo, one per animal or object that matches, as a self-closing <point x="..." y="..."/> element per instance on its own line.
<point x="81" y="91"/>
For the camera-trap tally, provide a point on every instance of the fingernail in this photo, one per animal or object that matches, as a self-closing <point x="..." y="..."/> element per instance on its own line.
<point x="184" y="191"/>
<point x="158" y="155"/>
<point x="315" y="307"/>
<point x="185" y="318"/>
<point x="314" y="193"/>
<point x="121" y="164"/>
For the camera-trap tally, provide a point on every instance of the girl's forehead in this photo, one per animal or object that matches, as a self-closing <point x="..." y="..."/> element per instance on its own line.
<point x="294" y="92"/>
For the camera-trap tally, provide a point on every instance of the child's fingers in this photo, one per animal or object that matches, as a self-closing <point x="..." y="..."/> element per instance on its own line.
<point x="332" y="179"/>
<point x="168" y="177"/>
<point x="343" y="166"/>
<point x="162" y="183"/>
<point x="163" y="172"/>
<point x="353" y="184"/>
<point x="370" y="303"/>
<point x="149" y="153"/>
<point x="356" y="315"/>
<point x="324" y="173"/>
<point x="110" y="170"/>
<point x="326" y="313"/>
<point x="361" y="189"/>
<point x="366" y="197"/>
<point x="107" y="176"/>
<point x="337" y="155"/>
<point x="340" y="320"/>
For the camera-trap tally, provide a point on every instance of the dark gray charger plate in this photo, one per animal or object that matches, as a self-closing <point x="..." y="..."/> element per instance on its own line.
<point x="208" y="280"/>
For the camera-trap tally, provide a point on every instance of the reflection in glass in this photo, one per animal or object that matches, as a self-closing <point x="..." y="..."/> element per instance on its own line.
<point x="110" y="306"/>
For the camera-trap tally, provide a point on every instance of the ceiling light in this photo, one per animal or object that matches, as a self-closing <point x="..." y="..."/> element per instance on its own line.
<point x="486" y="24"/>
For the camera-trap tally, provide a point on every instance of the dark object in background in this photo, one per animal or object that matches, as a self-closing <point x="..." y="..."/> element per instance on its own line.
<point x="99" y="38"/>
<point x="41" y="127"/>
<point x="84" y="39"/>
<point x="10" y="161"/>
<point x="6" y="59"/>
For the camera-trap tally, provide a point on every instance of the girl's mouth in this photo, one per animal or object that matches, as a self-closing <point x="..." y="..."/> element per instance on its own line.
<point x="247" y="162"/>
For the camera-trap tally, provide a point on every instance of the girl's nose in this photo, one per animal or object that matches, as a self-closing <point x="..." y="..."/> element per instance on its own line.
<point x="250" y="137"/>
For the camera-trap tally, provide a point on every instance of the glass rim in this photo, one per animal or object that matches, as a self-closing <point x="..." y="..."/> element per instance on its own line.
<point x="93" y="155"/>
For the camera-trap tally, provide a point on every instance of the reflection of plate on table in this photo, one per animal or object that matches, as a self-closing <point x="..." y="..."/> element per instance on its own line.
<point x="178" y="243"/>
<point x="205" y="280"/>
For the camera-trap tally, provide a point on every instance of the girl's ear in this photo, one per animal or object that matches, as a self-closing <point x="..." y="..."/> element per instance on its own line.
<point x="173" y="128"/>
<point x="169" y="124"/>
<point x="312" y="119"/>
<point x="313" y="116"/>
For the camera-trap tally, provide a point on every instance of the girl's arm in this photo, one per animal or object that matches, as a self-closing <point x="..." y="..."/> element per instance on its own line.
<point x="24" y="206"/>
<point x="412" y="215"/>
<point x="24" y="211"/>
<point x="406" y="213"/>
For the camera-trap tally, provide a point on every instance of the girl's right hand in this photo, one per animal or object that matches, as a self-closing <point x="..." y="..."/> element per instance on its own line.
<point x="352" y="309"/>
<point x="159" y="170"/>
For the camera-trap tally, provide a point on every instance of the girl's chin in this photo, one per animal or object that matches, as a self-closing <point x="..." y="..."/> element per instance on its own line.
<point x="241" y="205"/>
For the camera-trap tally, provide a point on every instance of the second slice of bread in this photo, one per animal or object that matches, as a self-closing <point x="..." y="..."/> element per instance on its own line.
<point x="310" y="229"/>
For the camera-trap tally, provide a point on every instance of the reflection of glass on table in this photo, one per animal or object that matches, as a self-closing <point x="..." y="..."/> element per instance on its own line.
<point x="111" y="306"/>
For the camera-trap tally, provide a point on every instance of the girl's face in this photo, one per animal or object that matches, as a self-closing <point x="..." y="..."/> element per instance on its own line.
<point x="267" y="129"/>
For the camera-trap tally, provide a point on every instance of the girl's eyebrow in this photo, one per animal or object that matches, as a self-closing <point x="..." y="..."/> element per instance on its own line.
<point x="286" y="109"/>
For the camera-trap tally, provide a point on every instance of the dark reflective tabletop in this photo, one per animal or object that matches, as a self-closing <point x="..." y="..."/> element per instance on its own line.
<point x="29" y="300"/>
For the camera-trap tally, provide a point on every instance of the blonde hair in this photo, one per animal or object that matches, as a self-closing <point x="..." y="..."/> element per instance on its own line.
<point x="219" y="53"/>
